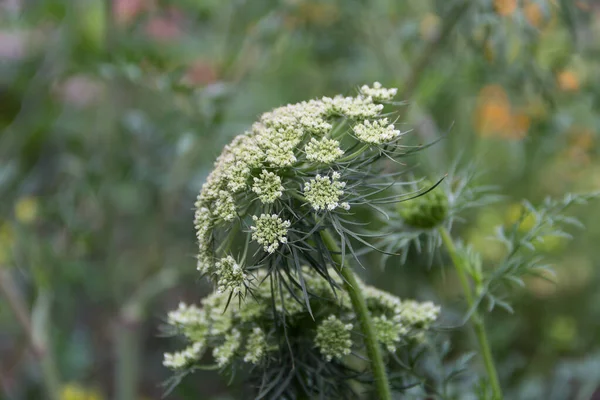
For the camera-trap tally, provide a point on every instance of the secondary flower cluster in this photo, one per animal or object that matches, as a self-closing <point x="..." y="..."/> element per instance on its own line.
<point x="246" y="331"/>
<point x="295" y="160"/>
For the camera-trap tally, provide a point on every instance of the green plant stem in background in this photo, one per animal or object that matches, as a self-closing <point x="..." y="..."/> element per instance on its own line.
<point x="475" y="318"/>
<point x="128" y="332"/>
<point x="362" y="313"/>
<point x="39" y="347"/>
<point x="128" y="357"/>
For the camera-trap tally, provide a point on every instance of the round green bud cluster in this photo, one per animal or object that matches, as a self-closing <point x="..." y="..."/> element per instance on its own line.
<point x="249" y="332"/>
<point x="231" y="276"/>
<point x="323" y="193"/>
<point x="270" y="231"/>
<point x="268" y="187"/>
<point x="377" y="131"/>
<point x="333" y="338"/>
<point x="389" y="331"/>
<point x="292" y="162"/>
<point x="425" y="211"/>
<point x="324" y="151"/>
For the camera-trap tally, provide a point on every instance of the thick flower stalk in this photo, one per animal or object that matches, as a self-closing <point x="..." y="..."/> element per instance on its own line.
<point x="248" y="333"/>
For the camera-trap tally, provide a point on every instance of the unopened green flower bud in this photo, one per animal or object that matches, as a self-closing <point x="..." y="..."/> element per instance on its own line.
<point x="426" y="211"/>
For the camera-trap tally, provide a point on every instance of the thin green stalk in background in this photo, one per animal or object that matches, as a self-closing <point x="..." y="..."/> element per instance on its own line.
<point x="382" y="385"/>
<point x="128" y="336"/>
<point x="38" y="340"/>
<point x="128" y="356"/>
<point x="475" y="318"/>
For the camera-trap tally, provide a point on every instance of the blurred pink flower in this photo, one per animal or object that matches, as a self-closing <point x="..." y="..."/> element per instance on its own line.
<point x="80" y="91"/>
<point x="165" y="27"/>
<point x="201" y="72"/>
<point x="13" y="45"/>
<point x="125" y="11"/>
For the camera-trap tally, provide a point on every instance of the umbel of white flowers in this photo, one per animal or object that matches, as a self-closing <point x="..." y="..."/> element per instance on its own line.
<point x="246" y="331"/>
<point x="296" y="153"/>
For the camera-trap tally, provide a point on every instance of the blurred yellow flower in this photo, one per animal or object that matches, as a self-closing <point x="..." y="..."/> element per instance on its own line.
<point x="26" y="209"/>
<point x="505" y="7"/>
<point x="568" y="81"/>
<point x="494" y="116"/>
<point x="73" y="391"/>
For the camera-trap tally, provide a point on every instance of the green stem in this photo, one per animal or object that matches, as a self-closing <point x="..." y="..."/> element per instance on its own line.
<point x="476" y="319"/>
<point x="355" y="154"/>
<point x="362" y="313"/>
<point x="128" y="356"/>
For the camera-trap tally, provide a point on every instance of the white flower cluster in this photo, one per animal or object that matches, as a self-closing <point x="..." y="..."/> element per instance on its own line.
<point x="185" y="315"/>
<point x="354" y="107"/>
<point x="389" y="331"/>
<point x="324" y="151"/>
<point x="261" y="162"/>
<point x="376" y="132"/>
<point x="333" y="338"/>
<point x="419" y="315"/>
<point x="225" y="352"/>
<point x="182" y="359"/>
<point x="378" y="93"/>
<point x="268" y="187"/>
<point x="256" y="346"/>
<point x="270" y="231"/>
<point x="231" y="276"/>
<point x="244" y="330"/>
<point x="323" y="192"/>
<point x="404" y="319"/>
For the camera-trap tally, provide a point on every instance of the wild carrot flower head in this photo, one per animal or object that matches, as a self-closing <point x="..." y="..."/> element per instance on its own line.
<point x="300" y="169"/>
<point x="248" y="332"/>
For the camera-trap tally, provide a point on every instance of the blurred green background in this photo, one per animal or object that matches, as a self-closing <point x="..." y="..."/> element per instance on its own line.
<point x="112" y="113"/>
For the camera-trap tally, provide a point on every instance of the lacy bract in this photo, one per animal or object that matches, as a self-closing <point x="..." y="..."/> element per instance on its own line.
<point x="247" y="331"/>
<point x="299" y="163"/>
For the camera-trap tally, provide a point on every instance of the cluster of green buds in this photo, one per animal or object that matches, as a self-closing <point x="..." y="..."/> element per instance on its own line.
<point x="427" y="210"/>
<point x="248" y="331"/>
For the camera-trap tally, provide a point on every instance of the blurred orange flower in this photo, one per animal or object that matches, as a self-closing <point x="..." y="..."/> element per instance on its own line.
<point x="534" y="14"/>
<point x="505" y="7"/>
<point x="494" y="116"/>
<point x="581" y="143"/>
<point x="568" y="81"/>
